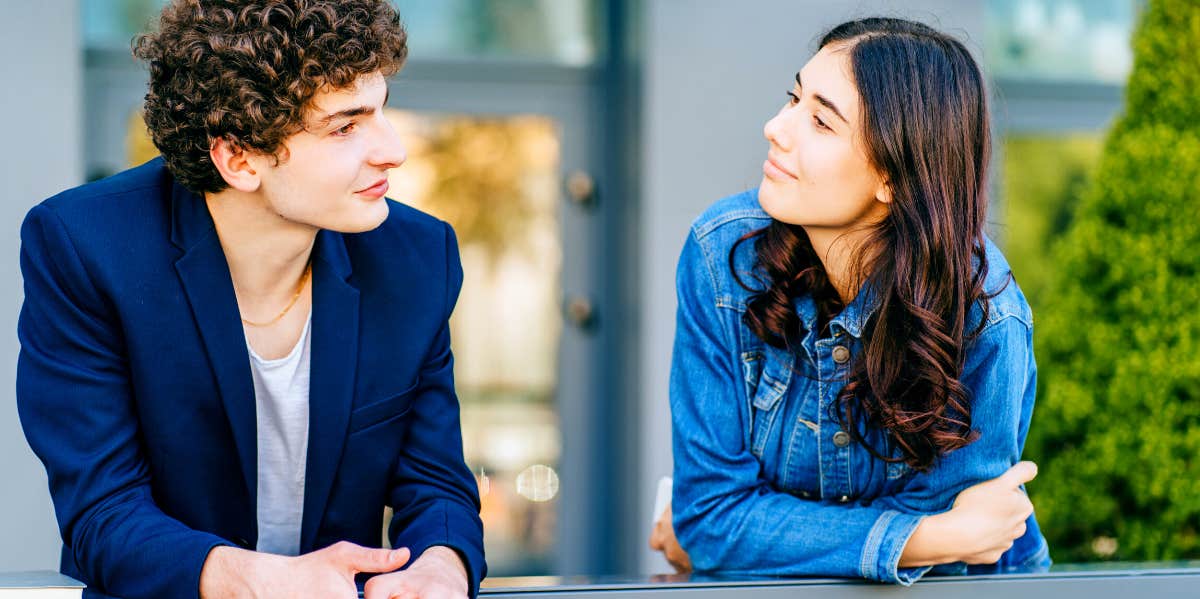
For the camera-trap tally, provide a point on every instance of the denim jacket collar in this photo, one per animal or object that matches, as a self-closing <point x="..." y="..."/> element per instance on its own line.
<point x="852" y="319"/>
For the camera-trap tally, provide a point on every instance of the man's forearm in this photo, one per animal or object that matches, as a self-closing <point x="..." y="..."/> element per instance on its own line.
<point x="224" y="573"/>
<point x="448" y="558"/>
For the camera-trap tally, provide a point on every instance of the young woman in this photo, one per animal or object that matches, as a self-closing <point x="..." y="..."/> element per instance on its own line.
<point x="853" y="374"/>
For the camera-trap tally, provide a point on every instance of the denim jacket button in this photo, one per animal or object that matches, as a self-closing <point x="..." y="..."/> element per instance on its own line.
<point x="841" y="354"/>
<point x="841" y="438"/>
<point x="844" y="499"/>
<point x="805" y="495"/>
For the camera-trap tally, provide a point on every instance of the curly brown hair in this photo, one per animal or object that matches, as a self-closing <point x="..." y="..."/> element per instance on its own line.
<point x="246" y="71"/>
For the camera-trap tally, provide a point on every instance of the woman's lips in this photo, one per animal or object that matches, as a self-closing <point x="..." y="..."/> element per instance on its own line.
<point x="375" y="191"/>
<point x="774" y="171"/>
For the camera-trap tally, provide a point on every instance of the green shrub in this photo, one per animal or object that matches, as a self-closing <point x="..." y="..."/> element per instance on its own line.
<point x="1044" y="177"/>
<point x="1117" y="428"/>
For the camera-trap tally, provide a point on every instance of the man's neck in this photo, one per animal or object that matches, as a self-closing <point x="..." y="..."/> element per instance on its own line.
<point x="267" y="254"/>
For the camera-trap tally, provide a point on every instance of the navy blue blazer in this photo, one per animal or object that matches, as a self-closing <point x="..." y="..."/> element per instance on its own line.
<point x="134" y="387"/>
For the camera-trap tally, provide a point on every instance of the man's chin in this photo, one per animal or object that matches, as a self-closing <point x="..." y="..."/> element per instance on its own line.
<point x="361" y="223"/>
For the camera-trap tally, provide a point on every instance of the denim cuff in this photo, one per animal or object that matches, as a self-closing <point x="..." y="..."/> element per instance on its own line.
<point x="885" y="543"/>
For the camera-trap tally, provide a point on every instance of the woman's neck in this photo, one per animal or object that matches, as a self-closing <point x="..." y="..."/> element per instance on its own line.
<point x="837" y="249"/>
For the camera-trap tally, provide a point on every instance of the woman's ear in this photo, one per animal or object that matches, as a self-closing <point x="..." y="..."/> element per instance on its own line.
<point x="884" y="193"/>
<point x="235" y="165"/>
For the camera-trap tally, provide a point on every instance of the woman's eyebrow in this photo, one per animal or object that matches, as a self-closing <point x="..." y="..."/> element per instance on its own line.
<point x="826" y="102"/>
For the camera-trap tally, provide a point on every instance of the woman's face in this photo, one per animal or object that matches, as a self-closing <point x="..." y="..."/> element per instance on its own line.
<point x="817" y="174"/>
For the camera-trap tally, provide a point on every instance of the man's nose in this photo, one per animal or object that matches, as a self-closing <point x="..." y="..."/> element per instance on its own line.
<point x="389" y="151"/>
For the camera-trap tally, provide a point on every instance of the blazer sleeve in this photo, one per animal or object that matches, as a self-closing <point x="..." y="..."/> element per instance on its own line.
<point x="77" y="409"/>
<point x="433" y="493"/>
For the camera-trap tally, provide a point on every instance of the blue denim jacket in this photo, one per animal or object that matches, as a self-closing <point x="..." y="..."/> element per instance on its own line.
<point x="765" y="481"/>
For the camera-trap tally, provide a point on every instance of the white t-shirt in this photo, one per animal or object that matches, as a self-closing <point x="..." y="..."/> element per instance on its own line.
<point x="281" y="402"/>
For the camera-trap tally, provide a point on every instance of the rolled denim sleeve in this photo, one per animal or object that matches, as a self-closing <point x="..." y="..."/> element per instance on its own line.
<point x="726" y="516"/>
<point x="1001" y="375"/>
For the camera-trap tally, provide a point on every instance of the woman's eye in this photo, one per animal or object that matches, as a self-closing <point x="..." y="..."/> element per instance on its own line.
<point x="820" y="124"/>
<point x="793" y="99"/>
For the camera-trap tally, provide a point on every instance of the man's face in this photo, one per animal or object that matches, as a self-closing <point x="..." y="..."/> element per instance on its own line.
<point x="333" y="173"/>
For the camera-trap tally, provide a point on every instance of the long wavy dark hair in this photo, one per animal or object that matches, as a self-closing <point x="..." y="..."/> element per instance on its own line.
<point x="926" y="132"/>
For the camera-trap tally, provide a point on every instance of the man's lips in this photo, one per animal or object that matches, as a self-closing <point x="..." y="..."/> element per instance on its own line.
<point x="376" y="190"/>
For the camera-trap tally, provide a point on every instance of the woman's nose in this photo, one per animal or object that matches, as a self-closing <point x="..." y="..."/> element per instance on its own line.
<point x="776" y="131"/>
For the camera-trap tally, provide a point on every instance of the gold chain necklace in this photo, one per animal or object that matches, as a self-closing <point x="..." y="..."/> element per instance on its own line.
<point x="299" y="289"/>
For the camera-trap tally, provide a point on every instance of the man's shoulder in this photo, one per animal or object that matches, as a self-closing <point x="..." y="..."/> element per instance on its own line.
<point x="112" y="211"/>
<point x="120" y="203"/>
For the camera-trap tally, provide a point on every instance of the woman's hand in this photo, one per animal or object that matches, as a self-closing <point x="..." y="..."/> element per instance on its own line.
<point x="982" y="525"/>
<point x="662" y="538"/>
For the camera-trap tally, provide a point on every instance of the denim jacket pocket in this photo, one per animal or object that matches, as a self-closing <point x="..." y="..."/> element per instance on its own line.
<point x="772" y="384"/>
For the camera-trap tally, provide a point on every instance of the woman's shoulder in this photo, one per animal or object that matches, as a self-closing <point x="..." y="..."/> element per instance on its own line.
<point x="733" y="215"/>
<point x="1004" y="297"/>
<point x="716" y="232"/>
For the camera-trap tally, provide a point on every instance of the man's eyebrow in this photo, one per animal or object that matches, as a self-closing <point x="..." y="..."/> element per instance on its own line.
<point x="826" y="102"/>
<point x="343" y="114"/>
<point x="351" y="112"/>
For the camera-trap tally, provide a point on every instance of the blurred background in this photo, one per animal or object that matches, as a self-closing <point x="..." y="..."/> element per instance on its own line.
<point x="570" y="143"/>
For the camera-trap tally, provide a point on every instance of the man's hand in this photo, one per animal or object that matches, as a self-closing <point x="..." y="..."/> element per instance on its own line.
<point x="437" y="574"/>
<point x="662" y="538"/>
<point x="231" y="573"/>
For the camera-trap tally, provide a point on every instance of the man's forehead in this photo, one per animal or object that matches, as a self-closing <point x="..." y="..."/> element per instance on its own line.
<point x="364" y="90"/>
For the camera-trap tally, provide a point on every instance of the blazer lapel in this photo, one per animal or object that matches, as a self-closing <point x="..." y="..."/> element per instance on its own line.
<point x="334" y="363"/>
<point x="204" y="273"/>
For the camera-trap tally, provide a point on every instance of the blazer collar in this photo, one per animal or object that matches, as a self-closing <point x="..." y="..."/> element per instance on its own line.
<point x="204" y="274"/>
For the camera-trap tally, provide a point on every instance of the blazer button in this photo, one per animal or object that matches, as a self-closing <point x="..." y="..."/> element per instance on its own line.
<point x="841" y="438"/>
<point x="841" y="354"/>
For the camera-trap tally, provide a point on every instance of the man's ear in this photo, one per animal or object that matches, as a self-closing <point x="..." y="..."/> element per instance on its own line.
<point x="235" y="165"/>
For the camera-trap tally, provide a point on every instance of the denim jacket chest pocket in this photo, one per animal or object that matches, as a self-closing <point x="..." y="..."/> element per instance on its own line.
<point x="780" y="436"/>
<point x="766" y="383"/>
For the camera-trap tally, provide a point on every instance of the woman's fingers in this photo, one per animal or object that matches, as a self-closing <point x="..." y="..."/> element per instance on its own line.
<point x="1019" y="474"/>
<point x="1019" y="531"/>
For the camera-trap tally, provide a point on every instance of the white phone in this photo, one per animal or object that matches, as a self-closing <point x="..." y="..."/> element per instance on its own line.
<point x="662" y="499"/>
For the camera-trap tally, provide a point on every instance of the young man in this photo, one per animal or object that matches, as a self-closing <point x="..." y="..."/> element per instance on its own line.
<point x="235" y="356"/>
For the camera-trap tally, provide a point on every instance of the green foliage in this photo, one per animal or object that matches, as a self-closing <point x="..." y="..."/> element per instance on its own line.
<point x="1117" y="428"/>
<point x="1044" y="176"/>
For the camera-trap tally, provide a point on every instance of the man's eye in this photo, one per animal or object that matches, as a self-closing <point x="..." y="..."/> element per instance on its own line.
<point x="346" y="130"/>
